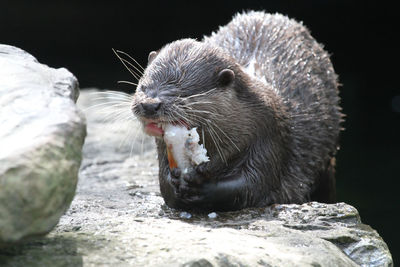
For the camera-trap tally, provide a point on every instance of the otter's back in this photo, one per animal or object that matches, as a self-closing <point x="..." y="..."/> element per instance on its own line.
<point x="281" y="52"/>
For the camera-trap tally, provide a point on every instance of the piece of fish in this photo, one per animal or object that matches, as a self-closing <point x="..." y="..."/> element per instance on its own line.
<point x="183" y="148"/>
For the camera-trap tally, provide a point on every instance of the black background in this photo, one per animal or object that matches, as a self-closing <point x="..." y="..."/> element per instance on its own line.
<point x="361" y="36"/>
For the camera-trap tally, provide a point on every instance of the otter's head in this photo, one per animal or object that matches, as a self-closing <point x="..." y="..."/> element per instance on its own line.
<point x="196" y="85"/>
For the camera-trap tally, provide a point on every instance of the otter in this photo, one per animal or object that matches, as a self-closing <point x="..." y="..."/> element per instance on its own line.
<point x="263" y="95"/>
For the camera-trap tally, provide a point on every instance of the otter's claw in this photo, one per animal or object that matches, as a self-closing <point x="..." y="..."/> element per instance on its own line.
<point x="197" y="176"/>
<point x="175" y="179"/>
<point x="188" y="187"/>
<point x="202" y="169"/>
<point x="176" y="172"/>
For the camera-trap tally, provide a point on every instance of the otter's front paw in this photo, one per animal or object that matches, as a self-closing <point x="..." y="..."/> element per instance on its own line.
<point x="175" y="180"/>
<point x="192" y="187"/>
<point x="197" y="176"/>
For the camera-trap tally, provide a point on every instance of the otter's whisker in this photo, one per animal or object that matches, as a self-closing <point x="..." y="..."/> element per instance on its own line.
<point x="107" y="107"/>
<point x="97" y="106"/>
<point x="127" y="82"/>
<point x="137" y="63"/>
<point x="142" y="145"/>
<point x="202" y="135"/>
<point x="227" y="137"/>
<point x="110" y="92"/>
<point x="132" y="132"/>
<point x="113" y="101"/>
<point x="112" y="96"/>
<point x="197" y="103"/>
<point x="217" y="146"/>
<point x="134" y="68"/>
<point x="200" y="94"/>
<point x="121" y="116"/>
<point x="214" y="124"/>
<point x="134" y="141"/>
<point x="180" y="116"/>
<point x="134" y="74"/>
<point x="213" y="134"/>
<point x="203" y="112"/>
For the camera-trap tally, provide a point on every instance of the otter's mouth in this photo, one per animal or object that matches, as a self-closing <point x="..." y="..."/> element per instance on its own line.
<point x="156" y="127"/>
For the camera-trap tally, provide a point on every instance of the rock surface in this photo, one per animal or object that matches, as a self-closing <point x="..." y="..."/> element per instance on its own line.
<point x="41" y="139"/>
<point x="118" y="218"/>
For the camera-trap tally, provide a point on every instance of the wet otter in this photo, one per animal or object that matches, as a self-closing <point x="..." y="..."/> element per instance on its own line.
<point x="263" y="96"/>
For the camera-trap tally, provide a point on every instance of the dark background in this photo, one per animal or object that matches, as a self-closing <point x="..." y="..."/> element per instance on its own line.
<point x="360" y="36"/>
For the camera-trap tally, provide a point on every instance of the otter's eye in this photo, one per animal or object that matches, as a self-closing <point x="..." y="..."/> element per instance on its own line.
<point x="143" y="88"/>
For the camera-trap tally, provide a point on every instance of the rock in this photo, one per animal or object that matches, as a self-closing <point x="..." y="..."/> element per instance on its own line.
<point x="339" y="224"/>
<point x="118" y="218"/>
<point x="41" y="137"/>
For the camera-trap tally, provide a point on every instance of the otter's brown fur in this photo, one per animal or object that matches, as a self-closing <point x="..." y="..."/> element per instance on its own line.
<point x="263" y="93"/>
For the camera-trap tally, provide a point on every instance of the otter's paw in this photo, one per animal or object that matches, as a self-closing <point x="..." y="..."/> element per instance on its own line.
<point x="193" y="187"/>
<point x="174" y="180"/>
<point x="197" y="176"/>
<point x="192" y="194"/>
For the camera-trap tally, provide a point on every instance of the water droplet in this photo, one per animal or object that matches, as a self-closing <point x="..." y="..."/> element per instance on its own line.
<point x="212" y="215"/>
<point x="185" y="215"/>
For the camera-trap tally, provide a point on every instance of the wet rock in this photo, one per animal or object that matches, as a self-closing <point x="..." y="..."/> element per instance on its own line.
<point x="41" y="137"/>
<point x="118" y="218"/>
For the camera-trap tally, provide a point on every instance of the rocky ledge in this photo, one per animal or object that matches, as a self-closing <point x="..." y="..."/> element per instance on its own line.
<point x="41" y="139"/>
<point x="118" y="218"/>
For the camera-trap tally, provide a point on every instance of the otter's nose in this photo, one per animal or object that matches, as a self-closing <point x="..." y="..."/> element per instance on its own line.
<point x="150" y="108"/>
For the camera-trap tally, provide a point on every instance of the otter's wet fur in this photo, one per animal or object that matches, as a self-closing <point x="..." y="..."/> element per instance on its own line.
<point x="264" y="96"/>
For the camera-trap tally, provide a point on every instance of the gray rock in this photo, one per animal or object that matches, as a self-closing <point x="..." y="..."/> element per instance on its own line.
<point x="41" y="137"/>
<point x="118" y="218"/>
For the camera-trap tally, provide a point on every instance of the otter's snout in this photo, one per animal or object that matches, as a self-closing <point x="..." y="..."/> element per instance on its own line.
<point x="149" y="108"/>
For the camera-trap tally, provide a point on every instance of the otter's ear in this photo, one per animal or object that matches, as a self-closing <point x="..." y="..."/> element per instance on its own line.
<point x="152" y="55"/>
<point x="225" y="77"/>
